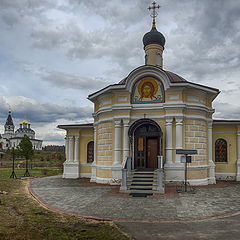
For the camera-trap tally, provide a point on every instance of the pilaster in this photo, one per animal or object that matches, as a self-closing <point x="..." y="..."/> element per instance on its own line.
<point x="67" y="148"/>
<point x="71" y="148"/>
<point x="212" y="178"/>
<point x="76" y="149"/>
<point x="238" y="154"/>
<point x="117" y="165"/>
<point x="94" y="171"/>
<point x="117" y="142"/>
<point x="169" y="141"/>
<point x="125" y="139"/>
<point x="179" y="137"/>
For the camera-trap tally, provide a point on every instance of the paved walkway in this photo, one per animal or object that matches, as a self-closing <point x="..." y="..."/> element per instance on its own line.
<point x="86" y="199"/>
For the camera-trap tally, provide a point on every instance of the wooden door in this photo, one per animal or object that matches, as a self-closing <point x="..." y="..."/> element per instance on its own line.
<point x="140" y="152"/>
<point x="152" y="152"/>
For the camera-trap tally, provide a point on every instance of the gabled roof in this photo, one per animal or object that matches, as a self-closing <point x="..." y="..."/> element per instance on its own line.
<point x="173" y="78"/>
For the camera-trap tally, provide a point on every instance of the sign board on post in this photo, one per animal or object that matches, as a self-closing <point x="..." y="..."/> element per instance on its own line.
<point x="186" y="159"/>
<point x="186" y="151"/>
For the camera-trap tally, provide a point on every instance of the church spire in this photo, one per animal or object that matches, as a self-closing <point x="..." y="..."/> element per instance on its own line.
<point x="154" y="41"/>
<point x="9" y="126"/>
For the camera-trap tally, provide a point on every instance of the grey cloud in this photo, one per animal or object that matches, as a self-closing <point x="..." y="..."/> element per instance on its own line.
<point x="46" y="38"/>
<point x="125" y="12"/>
<point x="64" y="80"/>
<point x="24" y="108"/>
<point x="10" y="17"/>
<point x="206" y="36"/>
<point x="226" y="111"/>
<point x="14" y="11"/>
<point x="52" y="137"/>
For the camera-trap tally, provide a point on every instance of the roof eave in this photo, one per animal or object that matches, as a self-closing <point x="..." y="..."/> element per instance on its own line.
<point x="75" y="126"/>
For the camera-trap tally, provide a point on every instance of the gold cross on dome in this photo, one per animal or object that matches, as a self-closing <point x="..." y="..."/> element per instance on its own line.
<point x="154" y="12"/>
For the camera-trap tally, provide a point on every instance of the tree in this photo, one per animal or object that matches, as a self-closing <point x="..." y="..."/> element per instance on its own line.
<point x="26" y="150"/>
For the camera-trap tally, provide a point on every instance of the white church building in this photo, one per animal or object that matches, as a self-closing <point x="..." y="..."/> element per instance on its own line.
<point x="11" y="139"/>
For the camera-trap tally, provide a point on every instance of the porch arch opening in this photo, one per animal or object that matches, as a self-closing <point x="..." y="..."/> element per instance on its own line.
<point x="146" y="143"/>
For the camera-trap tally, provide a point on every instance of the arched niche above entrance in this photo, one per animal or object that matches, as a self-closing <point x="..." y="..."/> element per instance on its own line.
<point x="144" y="122"/>
<point x="150" y="71"/>
<point x="148" y="90"/>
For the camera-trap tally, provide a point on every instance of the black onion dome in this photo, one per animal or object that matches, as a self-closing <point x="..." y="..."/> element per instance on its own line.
<point x="153" y="37"/>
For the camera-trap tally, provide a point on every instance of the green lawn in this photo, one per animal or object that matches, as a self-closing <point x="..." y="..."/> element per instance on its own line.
<point x="22" y="218"/>
<point x="35" y="172"/>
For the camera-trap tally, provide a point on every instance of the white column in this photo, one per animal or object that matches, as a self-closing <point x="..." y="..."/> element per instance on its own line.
<point x="76" y="149"/>
<point x="212" y="179"/>
<point x="71" y="166"/>
<point x="179" y="136"/>
<point x="169" y="141"/>
<point x="71" y="148"/>
<point x="67" y="148"/>
<point x="94" y="172"/>
<point x="117" y="142"/>
<point x="238" y="154"/>
<point x="125" y="139"/>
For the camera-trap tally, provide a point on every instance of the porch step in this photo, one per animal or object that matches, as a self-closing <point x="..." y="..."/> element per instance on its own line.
<point x="144" y="172"/>
<point x="140" y="194"/>
<point x="141" y="183"/>
<point x="140" y="191"/>
<point x="140" y="188"/>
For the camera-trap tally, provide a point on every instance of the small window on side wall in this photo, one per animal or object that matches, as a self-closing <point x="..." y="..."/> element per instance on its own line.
<point x="90" y="152"/>
<point x="221" y="150"/>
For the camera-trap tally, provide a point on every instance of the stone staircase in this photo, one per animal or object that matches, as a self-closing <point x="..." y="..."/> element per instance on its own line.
<point x="142" y="183"/>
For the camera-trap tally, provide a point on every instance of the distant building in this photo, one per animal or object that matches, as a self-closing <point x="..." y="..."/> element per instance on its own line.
<point x="11" y="139"/>
<point x="54" y="148"/>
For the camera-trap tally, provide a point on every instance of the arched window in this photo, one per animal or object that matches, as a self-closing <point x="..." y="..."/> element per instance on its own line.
<point x="221" y="150"/>
<point x="159" y="59"/>
<point x="90" y="152"/>
<point x="146" y="59"/>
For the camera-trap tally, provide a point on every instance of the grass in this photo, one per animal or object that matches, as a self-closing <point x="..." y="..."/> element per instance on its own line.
<point x="23" y="218"/>
<point x="40" y="159"/>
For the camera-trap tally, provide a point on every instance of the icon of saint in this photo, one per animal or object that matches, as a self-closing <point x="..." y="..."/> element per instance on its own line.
<point x="147" y="92"/>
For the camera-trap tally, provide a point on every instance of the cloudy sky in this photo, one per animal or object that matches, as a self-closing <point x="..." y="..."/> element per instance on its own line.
<point x="54" y="53"/>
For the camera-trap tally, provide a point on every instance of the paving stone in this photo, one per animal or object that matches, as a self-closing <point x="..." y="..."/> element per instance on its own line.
<point x="93" y="200"/>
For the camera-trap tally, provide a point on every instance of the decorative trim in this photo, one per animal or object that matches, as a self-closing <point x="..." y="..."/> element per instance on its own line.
<point x="154" y="117"/>
<point x="157" y="106"/>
